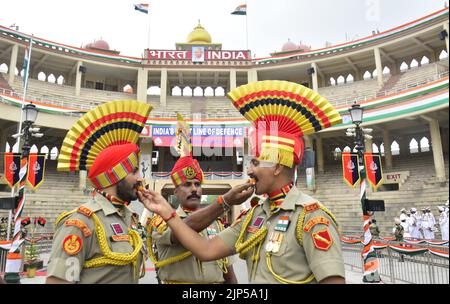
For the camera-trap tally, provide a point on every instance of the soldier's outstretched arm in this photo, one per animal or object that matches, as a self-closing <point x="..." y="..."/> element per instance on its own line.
<point x="204" y="249"/>
<point x="202" y="218"/>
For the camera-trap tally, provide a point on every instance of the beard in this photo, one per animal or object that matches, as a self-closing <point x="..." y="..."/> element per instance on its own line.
<point x="126" y="191"/>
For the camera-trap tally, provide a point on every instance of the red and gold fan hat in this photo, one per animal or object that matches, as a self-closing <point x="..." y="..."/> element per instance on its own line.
<point x="103" y="142"/>
<point x="186" y="167"/>
<point x="282" y="113"/>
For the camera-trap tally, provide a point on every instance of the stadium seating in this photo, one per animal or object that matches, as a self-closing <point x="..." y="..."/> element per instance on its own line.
<point x="220" y="107"/>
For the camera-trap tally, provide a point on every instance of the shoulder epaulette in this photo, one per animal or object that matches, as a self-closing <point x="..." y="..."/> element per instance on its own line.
<point x="312" y="207"/>
<point x="85" y="211"/>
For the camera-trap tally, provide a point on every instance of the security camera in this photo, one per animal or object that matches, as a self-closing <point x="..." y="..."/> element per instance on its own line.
<point x="349" y="134"/>
<point x="367" y="130"/>
<point x="367" y="136"/>
<point x="17" y="135"/>
<point x="38" y="135"/>
<point x="34" y="130"/>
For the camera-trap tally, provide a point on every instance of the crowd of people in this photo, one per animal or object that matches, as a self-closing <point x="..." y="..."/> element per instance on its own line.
<point x="411" y="224"/>
<point x="424" y="225"/>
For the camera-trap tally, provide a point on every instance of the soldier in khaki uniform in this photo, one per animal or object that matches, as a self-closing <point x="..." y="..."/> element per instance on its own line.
<point x="290" y="237"/>
<point x="175" y="264"/>
<point x="99" y="241"/>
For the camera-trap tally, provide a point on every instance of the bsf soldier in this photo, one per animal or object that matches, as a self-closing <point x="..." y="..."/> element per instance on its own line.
<point x="98" y="242"/>
<point x="374" y="229"/>
<point x="290" y="237"/>
<point x="175" y="264"/>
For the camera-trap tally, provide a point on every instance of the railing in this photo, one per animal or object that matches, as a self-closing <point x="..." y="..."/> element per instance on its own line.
<point x="207" y="175"/>
<point x="418" y="265"/>
<point x="403" y="86"/>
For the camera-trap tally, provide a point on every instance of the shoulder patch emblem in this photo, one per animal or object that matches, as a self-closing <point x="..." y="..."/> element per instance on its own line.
<point x="72" y="244"/>
<point x="314" y="221"/>
<point x="85" y="211"/>
<point x="322" y="239"/>
<point x="312" y="207"/>
<point x="80" y="224"/>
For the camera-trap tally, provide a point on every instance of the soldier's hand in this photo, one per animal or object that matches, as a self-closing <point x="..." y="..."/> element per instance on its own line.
<point x="155" y="202"/>
<point x="239" y="194"/>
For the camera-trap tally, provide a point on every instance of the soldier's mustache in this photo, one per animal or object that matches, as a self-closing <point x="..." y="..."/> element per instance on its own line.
<point x="193" y="196"/>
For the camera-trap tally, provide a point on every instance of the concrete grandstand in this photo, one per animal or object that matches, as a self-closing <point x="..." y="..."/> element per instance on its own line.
<point x="399" y="76"/>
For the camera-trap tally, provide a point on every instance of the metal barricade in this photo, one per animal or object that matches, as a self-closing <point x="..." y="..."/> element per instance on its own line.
<point x="398" y="268"/>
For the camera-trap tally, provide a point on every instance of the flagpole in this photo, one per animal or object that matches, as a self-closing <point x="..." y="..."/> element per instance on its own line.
<point x="148" y="34"/>
<point x="246" y="24"/>
<point x="12" y="265"/>
<point x="20" y="126"/>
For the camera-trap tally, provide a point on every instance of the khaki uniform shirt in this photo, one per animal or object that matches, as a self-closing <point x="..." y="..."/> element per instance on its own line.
<point x="70" y="267"/>
<point x="191" y="269"/>
<point x="292" y="261"/>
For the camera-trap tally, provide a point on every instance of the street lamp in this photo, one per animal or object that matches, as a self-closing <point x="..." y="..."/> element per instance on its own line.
<point x="30" y="113"/>
<point x="14" y="260"/>
<point x="371" y="274"/>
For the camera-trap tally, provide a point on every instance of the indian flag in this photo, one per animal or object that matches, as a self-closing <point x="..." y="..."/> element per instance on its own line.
<point x="142" y="7"/>
<point x="240" y="10"/>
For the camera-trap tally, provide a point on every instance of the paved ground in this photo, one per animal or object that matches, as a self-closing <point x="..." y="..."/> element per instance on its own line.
<point x="240" y="269"/>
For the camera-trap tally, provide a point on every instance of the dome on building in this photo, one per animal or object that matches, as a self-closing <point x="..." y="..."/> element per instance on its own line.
<point x="99" y="44"/>
<point x="289" y="46"/>
<point x="199" y="35"/>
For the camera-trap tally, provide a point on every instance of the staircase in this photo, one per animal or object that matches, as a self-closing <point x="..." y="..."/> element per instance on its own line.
<point x="388" y="85"/>
<point x="4" y="83"/>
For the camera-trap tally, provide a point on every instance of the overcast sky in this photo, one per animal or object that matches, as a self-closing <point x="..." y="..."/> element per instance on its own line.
<point x="270" y="22"/>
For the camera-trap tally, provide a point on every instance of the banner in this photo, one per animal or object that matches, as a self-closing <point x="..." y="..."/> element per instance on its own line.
<point x="350" y="168"/>
<point x="12" y="168"/>
<point x="373" y="169"/>
<point x="202" y="136"/>
<point x="36" y="169"/>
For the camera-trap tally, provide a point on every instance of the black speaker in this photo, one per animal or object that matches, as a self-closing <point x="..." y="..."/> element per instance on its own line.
<point x="309" y="159"/>
<point x="373" y="205"/>
<point x="310" y="71"/>
<point x="443" y="34"/>
<point x="82" y="69"/>
<point x="9" y="203"/>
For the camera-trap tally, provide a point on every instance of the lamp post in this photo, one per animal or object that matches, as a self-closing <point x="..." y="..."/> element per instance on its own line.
<point x="14" y="259"/>
<point x="371" y="274"/>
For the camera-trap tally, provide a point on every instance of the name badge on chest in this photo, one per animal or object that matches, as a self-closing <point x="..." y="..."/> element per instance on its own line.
<point x="256" y="225"/>
<point x="117" y="229"/>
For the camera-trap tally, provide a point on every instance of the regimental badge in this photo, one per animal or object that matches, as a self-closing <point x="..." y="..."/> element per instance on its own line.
<point x="72" y="244"/>
<point x="211" y="231"/>
<point x="117" y="228"/>
<point x="256" y="225"/>
<point x="282" y="224"/>
<point x="322" y="239"/>
<point x="189" y="172"/>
